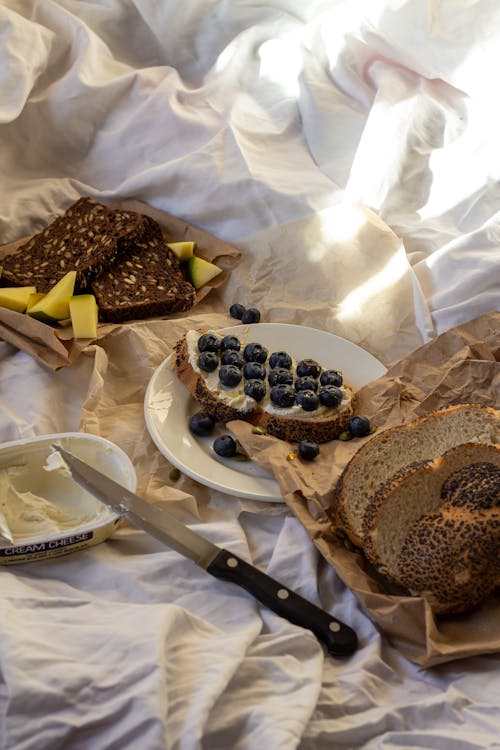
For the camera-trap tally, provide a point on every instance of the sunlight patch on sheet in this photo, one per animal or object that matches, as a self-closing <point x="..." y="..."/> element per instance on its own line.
<point x="355" y="302"/>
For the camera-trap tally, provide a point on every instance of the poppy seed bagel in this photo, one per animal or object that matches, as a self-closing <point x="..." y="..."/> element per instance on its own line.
<point x="321" y="427"/>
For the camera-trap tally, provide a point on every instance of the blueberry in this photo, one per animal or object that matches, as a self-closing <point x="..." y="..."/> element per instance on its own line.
<point x="230" y="375"/>
<point x="331" y="377"/>
<point x="225" y="446"/>
<point x="256" y="389"/>
<point x="232" y="357"/>
<point x="308" y="400"/>
<point x="308" y="450"/>
<point x="230" y="342"/>
<point x="283" y="395"/>
<point x="254" y="371"/>
<point x="280" y="376"/>
<point x="209" y="342"/>
<point x="252" y="315"/>
<point x="255" y="353"/>
<point x="201" y="424"/>
<point x="308" y="367"/>
<point x="330" y="395"/>
<point x="208" y="361"/>
<point x="280" y="359"/>
<point x="236" y="311"/>
<point x="306" y="384"/>
<point x="359" y="426"/>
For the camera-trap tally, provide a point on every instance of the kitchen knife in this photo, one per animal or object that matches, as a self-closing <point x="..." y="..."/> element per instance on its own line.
<point x="339" y="639"/>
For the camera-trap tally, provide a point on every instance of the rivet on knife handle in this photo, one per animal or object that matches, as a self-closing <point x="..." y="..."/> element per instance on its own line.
<point x="339" y="639"/>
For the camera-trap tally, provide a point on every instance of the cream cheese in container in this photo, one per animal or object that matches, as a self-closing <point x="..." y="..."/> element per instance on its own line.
<point x="43" y="512"/>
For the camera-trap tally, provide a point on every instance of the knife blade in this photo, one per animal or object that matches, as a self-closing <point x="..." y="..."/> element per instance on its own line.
<point x="339" y="638"/>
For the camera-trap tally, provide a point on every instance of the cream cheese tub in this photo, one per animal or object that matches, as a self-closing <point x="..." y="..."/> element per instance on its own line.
<point x="43" y="512"/>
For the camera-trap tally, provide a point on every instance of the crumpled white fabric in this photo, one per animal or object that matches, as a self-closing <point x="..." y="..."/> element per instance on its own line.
<point x="267" y="124"/>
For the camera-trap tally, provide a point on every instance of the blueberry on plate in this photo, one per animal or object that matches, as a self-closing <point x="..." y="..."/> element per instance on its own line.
<point x="308" y="367"/>
<point x="232" y="357"/>
<point x="208" y="361"/>
<point x="330" y="395"/>
<point x="308" y="400"/>
<point x="331" y="377"/>
<point x="255" y="388"/>
<point x="209" y="342"/>
<point x="308" y="450"/>
<point x="230" y="342"/>
<point x="201" y="424"/>
<point x="280" y="359"/>
<point x="283" y="395"/>
<point x="252" y="315"/>
<point x="254" y="371"/>
<point x="255" y="353"/>
<point x="236" y="311"/>
<point x="230" y="375"/>
<point x="280" y="376"/>
<point x="225" y="446"/>
<point x="359" y="426"/>
<point x="306" y="383"/>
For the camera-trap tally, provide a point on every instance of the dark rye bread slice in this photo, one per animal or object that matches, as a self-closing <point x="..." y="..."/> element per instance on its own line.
<point x="413" y="492"/>
<point x="452" y="557"/>
<point x="147" y="282"/>
<point x="319" y="430"/>
<point x="389" y="451"/>
<point x="87" y="238"/>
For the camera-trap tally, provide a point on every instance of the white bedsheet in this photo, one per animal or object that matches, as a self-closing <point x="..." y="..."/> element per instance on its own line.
<point x="351" y="151"/>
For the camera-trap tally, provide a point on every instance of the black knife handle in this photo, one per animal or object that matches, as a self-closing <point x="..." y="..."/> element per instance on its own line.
<point x="339" y="639"/>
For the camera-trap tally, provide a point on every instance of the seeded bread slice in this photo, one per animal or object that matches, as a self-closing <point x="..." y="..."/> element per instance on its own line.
<point x="147" y="282"/>
<point x="391" y="450"/>
<point x="452" y="557"/>
<point x="87" y="238"/>
<point x="415" y="491"/>
<point x="319" y="430"/>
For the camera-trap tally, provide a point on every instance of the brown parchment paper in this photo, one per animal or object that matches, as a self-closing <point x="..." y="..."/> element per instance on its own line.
<point x="460" y="366"/>
<point x="54" y="346"/>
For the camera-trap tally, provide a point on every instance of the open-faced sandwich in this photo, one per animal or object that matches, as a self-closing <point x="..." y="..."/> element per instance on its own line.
<point x="232" y="378"/>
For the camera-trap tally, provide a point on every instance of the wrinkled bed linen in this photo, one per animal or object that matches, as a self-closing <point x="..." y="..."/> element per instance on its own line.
<point x="350" y="150"/>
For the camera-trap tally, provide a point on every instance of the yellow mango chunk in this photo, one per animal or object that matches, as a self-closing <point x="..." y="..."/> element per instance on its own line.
<point x="201" y="271"/>
<point x="183" y="250"/>
<point x="55" y="304"/>
<point x="83" y="311"/>
<point x="16" y="298"/>
<point x="33" y="299"/>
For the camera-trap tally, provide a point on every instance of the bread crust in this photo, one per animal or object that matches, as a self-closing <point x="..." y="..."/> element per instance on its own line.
<point x="319" y="430"/>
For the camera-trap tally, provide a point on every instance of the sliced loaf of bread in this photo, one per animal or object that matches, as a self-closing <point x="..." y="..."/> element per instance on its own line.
<point x="394" y="449"/>
<point x="417" y="491"/>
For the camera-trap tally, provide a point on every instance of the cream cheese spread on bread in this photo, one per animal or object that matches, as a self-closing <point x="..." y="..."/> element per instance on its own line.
<point x="236" y="397"/>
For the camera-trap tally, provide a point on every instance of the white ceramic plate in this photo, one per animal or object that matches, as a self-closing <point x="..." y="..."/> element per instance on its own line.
<point x="168" y="406"/>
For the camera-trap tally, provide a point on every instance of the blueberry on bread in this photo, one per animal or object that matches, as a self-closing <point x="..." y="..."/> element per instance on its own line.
<point x="253" y="390"/>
